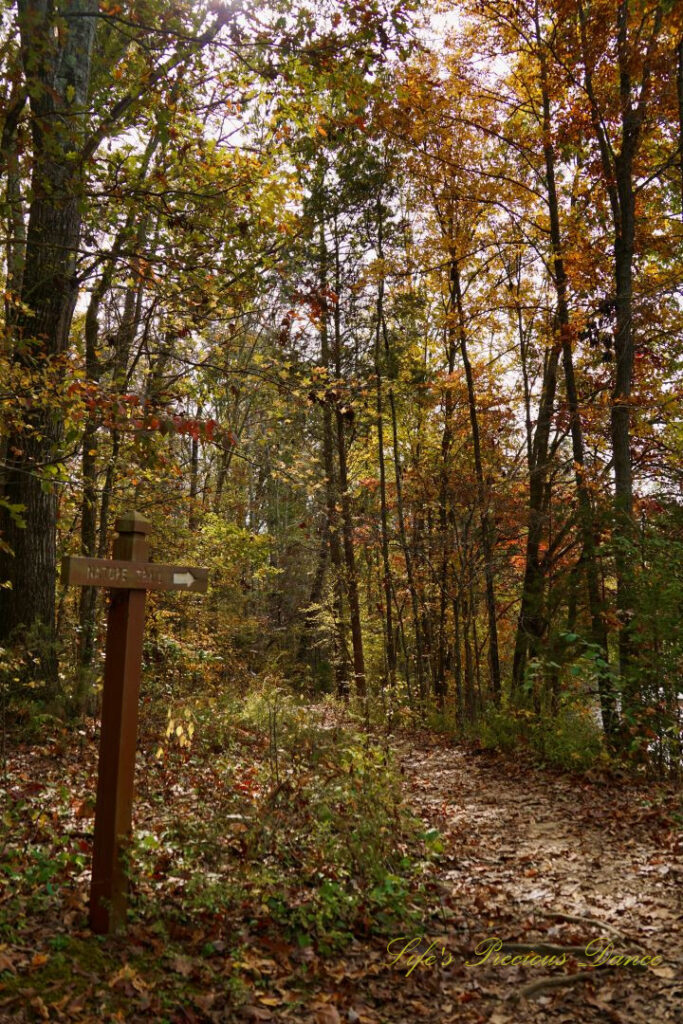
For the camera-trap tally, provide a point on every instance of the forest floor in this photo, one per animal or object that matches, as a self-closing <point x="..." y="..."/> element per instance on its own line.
<point x="539" y="857"/>
<point x="534" y="858"/>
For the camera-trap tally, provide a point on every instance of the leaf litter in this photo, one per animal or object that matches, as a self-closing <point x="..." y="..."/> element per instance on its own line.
<point x="525" y="855"/>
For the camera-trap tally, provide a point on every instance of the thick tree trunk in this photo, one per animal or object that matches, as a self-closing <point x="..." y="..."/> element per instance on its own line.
<point x="440" y="685"/>
<point x="532" y="619"/>
<point x="470" y="689"/>
<point x="57" y="70"/>
<point x="342" y="661"/>
<point x="14" y="216"/>
<point x="618" y="171"/>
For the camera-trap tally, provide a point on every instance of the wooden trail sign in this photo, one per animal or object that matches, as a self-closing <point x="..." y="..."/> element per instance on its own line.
<point x="117" y="573"/>
<point x="129" y="574"/>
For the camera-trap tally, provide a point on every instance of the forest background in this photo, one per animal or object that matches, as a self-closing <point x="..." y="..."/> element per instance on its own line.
<point x="379" y="321"/>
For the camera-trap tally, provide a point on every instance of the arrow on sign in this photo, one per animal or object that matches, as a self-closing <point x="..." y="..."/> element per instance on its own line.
<point x="184" y="579"/>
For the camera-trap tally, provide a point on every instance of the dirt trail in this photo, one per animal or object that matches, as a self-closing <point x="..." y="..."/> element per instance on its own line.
<point x="523" y="846"/>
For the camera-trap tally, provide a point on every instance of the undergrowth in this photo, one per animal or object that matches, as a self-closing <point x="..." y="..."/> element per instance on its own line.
<point x="258" y="819"/>
<point x="306" y="823"/>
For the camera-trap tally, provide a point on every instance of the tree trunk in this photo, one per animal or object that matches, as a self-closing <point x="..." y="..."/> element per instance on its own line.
<point x="444" y="512"/>
<point x="342" y="667"/>
<point x="459" y="707"/>
<point x="194" y="479"/>
<point x="482" y="497"/>
<point x="351" y="575"/>
<point x="57" y="71"/>
<point x="403" y="537"/>
<point x="14" y="219"/>
<point x="618" y="171"/>
<point x="585" y="509"/>
<point x="387" y="584"/>
<point x="679" y="89"/>
<point x="89" y="503"/>
<point x="532" y="624"/>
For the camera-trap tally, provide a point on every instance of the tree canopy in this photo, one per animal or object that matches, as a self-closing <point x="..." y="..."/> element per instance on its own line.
<point x="376" y="310"/>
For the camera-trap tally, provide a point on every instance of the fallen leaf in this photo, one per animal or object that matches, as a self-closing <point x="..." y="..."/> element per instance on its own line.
<point x="40" y="1008"/>
<point x="181" y="965"/>
<point x="327" y="1015"/>
<point x="6" y="964"/>
<point x="205" y="1001"/>
<point x="127" y="976"/>
<point x="664" y="972"/>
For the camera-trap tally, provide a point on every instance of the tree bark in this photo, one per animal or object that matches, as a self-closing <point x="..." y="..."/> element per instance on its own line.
<point x="351" y="575"/>
<point x="387" y="583"/>
<point x="532" y="623"/>
<point x="679" y="90"/>
<point x="482" y="497"/>
<point x="89" y="504"/>
<point x="618" y="171"/>
<point x="403" y="536"/>
<point x="57" y="72"/>
<point x="14" y="219"/>
<point x="342" y="665"/>
<point x="598" y="634"/>
<point x="440" y="684"/>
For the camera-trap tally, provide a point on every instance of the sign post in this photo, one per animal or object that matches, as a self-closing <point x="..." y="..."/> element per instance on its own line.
<point x="129" y="575"/>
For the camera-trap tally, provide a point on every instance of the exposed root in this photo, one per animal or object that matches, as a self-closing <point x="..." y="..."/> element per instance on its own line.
<point x="557" y="981"/>
<point x="576" y="919"/>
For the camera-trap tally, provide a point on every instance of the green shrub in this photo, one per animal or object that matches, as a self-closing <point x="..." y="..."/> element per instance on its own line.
<point x="571" y="738"/>
<point x="502" y="730"/>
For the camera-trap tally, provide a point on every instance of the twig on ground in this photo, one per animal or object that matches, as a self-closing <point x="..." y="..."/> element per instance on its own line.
<point x="546" y="948"/>
<point x="577" y="919"/>
<point x="557" y="981"/>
